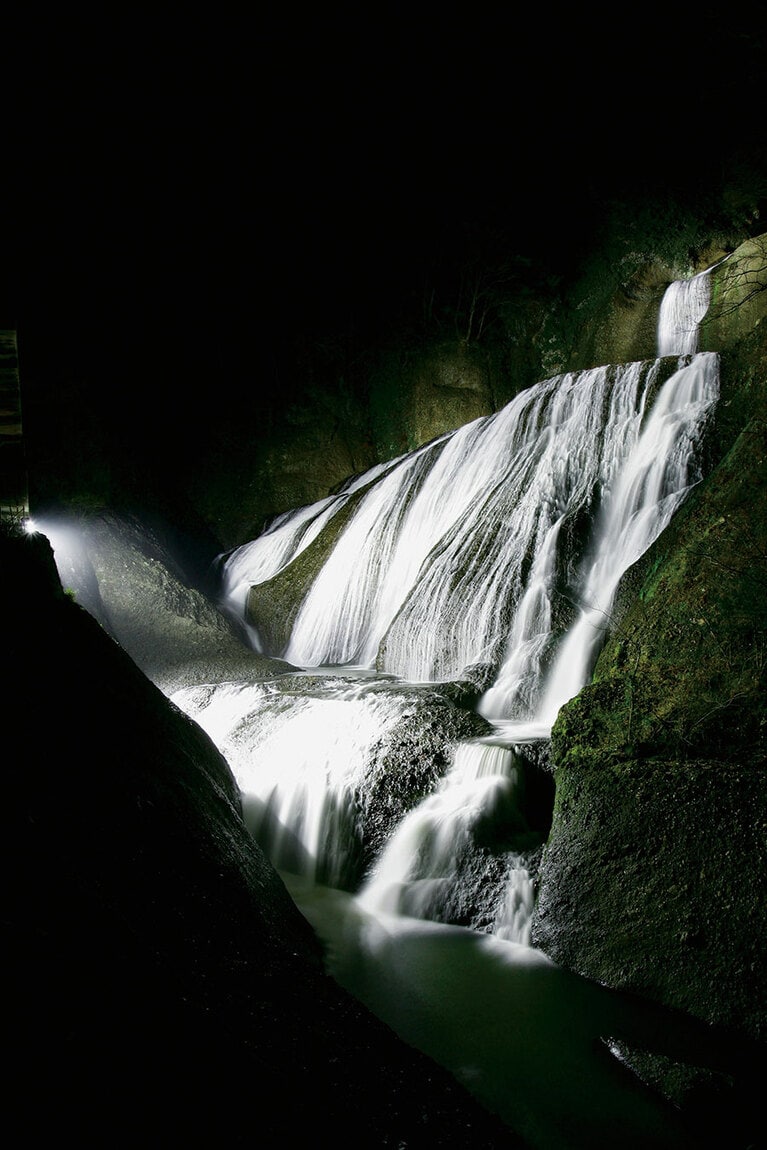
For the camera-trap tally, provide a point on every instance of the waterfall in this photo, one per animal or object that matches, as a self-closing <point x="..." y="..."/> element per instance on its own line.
<point x="286" y="537"/>
<point x="417" y="873"/>
<point x="301" y="761"/>
<point x="490" y="556"/>
<point x="497" y="548"/>
<point x="683" y="306"/>
<point x="647" y="471"/>
<point x="472" y="549"/>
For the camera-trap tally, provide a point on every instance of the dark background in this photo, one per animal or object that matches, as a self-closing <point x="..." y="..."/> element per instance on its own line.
<point x="184" y="197"/>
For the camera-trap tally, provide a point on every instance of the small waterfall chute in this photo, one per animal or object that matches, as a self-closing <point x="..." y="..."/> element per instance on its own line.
<point x="418" y="874"/>
<point x="682" y="309"/>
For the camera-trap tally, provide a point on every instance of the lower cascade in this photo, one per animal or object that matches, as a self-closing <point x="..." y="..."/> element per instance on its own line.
<point x="405" y="821"/>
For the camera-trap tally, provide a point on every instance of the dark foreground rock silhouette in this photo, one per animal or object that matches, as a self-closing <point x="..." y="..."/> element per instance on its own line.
<point x="160" y="984"/>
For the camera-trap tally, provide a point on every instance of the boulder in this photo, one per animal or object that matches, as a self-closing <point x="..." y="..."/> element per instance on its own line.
<point x="161" y="985"/>
<point x="128" y="575"/>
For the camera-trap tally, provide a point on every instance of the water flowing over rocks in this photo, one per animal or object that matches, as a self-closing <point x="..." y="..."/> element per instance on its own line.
<point x="642" y="881"/>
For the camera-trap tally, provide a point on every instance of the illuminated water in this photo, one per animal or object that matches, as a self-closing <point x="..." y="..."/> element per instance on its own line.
<point x="683" y="307"/>
<point x="500" y="544"/>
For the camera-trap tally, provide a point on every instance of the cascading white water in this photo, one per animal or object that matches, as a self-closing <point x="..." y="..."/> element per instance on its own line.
<point x="417" y="869"/>
<point x="457" y="554"/>
<point x="648" y="468"/>
<point x="285" y="538"/>
<point x="682" y="309"/>
<point x="454" y="555"/>
<point x="460" y="553"/>
<point x="299" y="761"/>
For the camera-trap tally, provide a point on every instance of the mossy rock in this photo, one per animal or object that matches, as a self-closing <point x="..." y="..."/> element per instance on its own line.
<point x="653" y="882"/>
<point x="682" y="673"/>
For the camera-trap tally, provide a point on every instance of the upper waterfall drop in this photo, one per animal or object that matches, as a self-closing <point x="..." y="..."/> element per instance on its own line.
<point x="682" y="309"/>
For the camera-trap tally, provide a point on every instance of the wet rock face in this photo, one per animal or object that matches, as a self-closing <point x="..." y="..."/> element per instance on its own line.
<point x="271" y="606"/>
<point x="433" y="390"/>
<point x="408" y="758"/>
<point x="127" y="575"/>
<point x="652" y="883"/>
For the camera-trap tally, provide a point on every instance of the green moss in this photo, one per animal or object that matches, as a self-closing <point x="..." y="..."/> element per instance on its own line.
<point x="651" y="878"/>
<point x="273" y="605"/>
<point x="682" y="673"/>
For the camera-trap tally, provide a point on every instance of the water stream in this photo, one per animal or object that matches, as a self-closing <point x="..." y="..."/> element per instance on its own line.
<point x="498" y="546"/>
